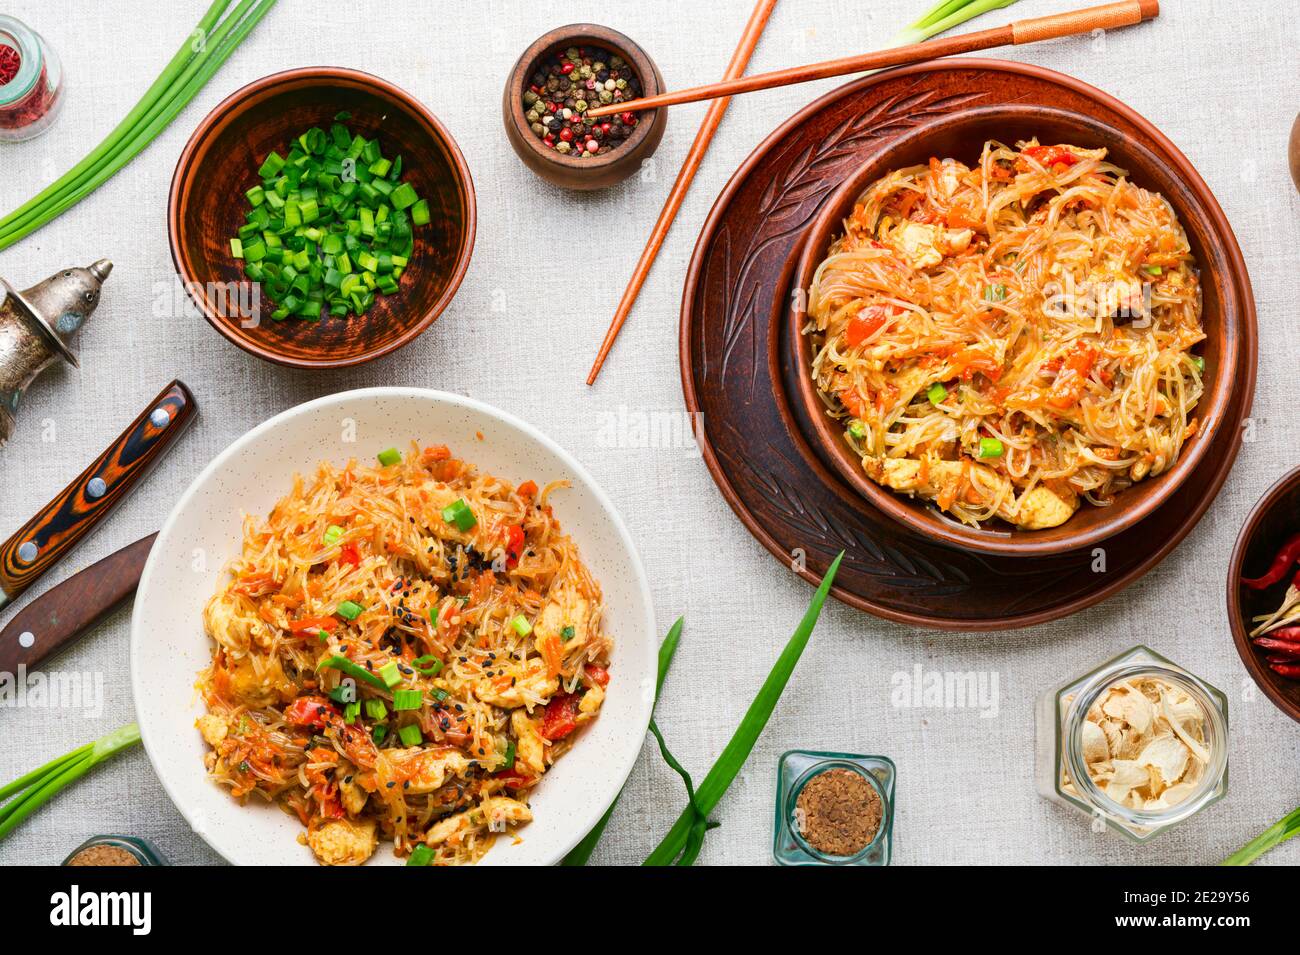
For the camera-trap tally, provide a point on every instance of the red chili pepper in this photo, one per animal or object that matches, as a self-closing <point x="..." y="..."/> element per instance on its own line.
<point x="514" y="544"/>
<point x="349" y="553"/>
<point x="1284" y="633"/>
<point x="1270" y="643"/>
<point x="1291" y="670"/>
<point x="1287" y="555"/>
<point x="561" y="716"/>
<point x="1283" y="657"/>
<point x="308" y="711"/>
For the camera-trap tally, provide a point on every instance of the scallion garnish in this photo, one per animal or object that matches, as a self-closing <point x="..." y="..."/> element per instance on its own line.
<point x="407" y="700"/>
<point x="1199" y="362"/>
<point x="995" y="293"/>
<point x="376" y="710"/>
<point x="937" y="393"/>
<point x="410" y="735"/>
<point x="857" y="429"/>
<point x="350" y="610"/>
<point x="391" y="674"/>
<point x="333" y="534"/>
<point x="427" y="665"/>
<point x="508" y="759"/>
<point x="390" y="457"/>
<point x="379" y="733"/>
<point x="421" y="855"/>
<point x="521" y="626"/>
<point x="990" y="448"/>
<point x="351" y="711"/>
<point x="344" y="665"/>
<point x="459" y="515"/>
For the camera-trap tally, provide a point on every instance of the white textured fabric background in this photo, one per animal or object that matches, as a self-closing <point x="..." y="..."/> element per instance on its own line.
<point x="522" y="337"/>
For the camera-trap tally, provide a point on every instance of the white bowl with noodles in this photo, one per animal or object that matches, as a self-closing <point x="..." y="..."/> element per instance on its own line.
<point x="204" y="532"/>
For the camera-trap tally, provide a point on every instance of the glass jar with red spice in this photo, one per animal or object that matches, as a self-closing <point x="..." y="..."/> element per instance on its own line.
<point x="31" y="82"/>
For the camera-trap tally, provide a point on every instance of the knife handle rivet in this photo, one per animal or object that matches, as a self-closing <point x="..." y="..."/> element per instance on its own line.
<point x="160" y="418"/>
<point x="96" y="487"/>
<point x="26" y="638"/>
<point x="27" y="552"/>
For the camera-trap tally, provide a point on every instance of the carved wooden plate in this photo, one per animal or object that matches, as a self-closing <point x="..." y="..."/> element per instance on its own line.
<point x="739" y="373"/>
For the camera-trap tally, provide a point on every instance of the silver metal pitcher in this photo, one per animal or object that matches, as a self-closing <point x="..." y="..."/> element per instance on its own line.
<point x="35" y="326"/>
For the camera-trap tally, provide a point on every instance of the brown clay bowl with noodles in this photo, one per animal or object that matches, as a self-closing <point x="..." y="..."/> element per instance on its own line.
<point x="1153" y="162"/>
<point x="220" y="162"/>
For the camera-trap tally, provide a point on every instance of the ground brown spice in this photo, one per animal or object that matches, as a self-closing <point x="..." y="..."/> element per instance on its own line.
<point x="838" y="812"/>
<point x="103" y="855"/>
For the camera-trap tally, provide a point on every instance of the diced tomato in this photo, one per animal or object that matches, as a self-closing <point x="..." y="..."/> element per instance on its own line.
<point x="330" y="806"/>
<point x="514" y="544"/>
<point x="1073" y="377"/>
<point x="1051" y="155"/>
<point x="308" y="624"/>
<point x="867" y="322"/>
<point x="597" y="674"/>
<point x="561" y="716"/>
<point x="350" y="553"/>
<point x="436" y="452"/>
<point x="853" y="402"/>
<point x="308" y="711"/>
<point x="528" y="489"/>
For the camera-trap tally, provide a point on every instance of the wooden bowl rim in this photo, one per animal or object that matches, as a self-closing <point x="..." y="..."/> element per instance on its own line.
<point x="1264" y="678"/>
<point x="320" y="75"/>
<point x="571" y="33"/>
<point x="916" y="514"/>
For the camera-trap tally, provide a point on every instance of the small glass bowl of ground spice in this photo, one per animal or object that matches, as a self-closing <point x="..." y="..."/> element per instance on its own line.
<point x="31" y="82"/>
<point x="115" y="851"/>
<point x="834" y="809"/>
<point x="555" y="82"/>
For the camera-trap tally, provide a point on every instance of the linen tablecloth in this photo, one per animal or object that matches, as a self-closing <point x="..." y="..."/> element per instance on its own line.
<point x="965" y="788"/>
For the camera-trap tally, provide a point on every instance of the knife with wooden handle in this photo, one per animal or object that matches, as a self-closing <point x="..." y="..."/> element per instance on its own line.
<point x="65" y="521"/>
<point x="66" y="611"/>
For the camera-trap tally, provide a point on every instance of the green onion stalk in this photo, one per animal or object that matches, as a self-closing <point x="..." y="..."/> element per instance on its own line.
<point x="682" y="843"/>
<point x="944" y="17"/>
<point x="1279" y="832"/>
<point x="207" y="47"/>
<point x="35" y="789"/>
<point x="583" y="850"/>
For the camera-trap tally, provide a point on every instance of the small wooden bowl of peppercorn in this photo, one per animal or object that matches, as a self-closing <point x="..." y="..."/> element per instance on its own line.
<point x="346" y="257"/>
<point x="1265" y="562"/>
<point x="564" y="73"/>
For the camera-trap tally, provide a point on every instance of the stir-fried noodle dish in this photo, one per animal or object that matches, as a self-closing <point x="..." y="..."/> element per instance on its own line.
<point x="1011" y="339"/>
<point x="400" y="653"/>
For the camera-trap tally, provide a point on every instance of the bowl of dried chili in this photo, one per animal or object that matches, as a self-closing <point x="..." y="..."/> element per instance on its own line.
<point x="1264" y="594"/>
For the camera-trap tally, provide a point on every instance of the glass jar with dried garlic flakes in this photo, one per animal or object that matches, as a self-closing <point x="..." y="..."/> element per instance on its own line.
<point x="1139" y="744"/>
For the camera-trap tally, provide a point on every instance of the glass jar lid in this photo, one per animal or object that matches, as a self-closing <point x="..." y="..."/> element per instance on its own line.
<point x="17" y="35"/>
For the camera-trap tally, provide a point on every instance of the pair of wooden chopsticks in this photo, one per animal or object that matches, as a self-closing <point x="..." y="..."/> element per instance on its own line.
<point x="1105" y="17"/>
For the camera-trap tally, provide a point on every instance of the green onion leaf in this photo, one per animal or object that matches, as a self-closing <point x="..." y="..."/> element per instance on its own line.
<point x="857" y="429"/>
<point x="1152" y="269"/>
<point x="407" y="700"/>
<point x="350" y="610"/>
<point x="376" y="710"/>
<point x="1199" y="362"/>
<point x="344" y="665"/>
<point x="459" y="514"/>
<point x="410" y="735"/>
<point x="521" y="626"/>
<point x="351" y="711"/>
<point x="1279" y="832"/>
<point x="737" y="751"/>
<point x="333" y="534"/>
<point x="390" y="457"/>
<point x="508" y="759"/>
<point x="990" y="448"/>
<point x="391" y="674"/>
<point x="421" y="855"/>
<point x="937" y="394"/>
<point x="427" y="665"/>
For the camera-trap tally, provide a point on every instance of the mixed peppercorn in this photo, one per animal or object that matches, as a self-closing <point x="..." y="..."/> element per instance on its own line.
<point x="566" y="85"/>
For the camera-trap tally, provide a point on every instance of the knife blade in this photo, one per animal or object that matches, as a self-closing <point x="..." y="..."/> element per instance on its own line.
<point x="64" y="612"/>
<point x="64" y="523"/>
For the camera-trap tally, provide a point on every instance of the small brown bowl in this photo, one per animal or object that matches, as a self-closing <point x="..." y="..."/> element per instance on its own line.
<point x="1275" y="518"/>
<point x="220" y="162"/>
<point x="594" y="172"/>
<point x="1153" y="162"/>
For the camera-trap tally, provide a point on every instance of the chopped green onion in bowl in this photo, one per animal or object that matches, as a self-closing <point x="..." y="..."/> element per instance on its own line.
<point x="330" y="227"/>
